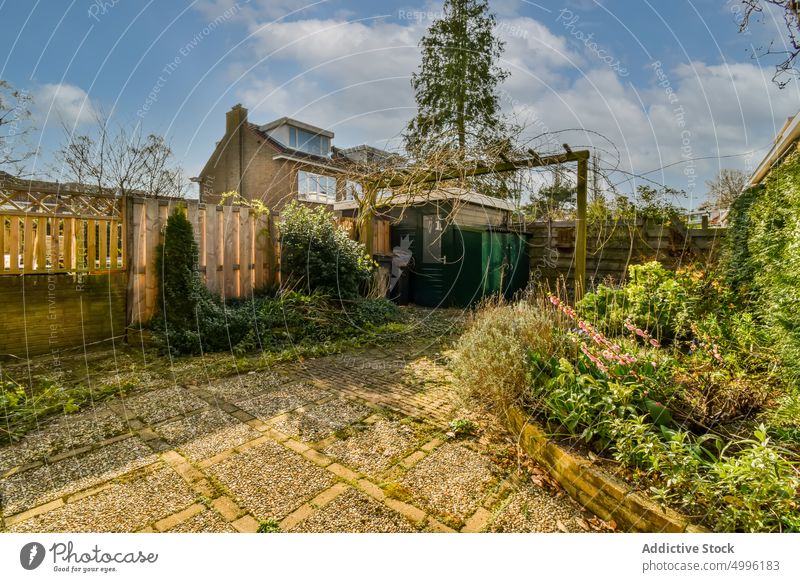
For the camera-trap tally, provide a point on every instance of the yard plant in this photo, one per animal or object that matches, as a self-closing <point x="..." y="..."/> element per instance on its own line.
<point x="666" y="375"/>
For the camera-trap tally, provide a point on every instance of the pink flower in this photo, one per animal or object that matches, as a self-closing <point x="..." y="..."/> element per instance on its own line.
<point x="654" y="343"/>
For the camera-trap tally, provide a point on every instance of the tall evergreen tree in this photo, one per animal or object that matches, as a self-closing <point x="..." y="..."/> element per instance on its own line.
<point x="455" y="87"/>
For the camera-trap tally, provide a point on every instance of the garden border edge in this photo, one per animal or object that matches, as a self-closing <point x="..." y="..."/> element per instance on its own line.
<point x="608" y="498"/>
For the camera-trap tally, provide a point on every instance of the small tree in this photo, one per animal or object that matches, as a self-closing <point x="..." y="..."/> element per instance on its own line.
<point x="724" y="189"/>
<point x="320" y="255"/>
<point x="14" y="126"/>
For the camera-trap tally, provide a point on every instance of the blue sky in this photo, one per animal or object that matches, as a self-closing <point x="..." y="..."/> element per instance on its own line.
<point x="646" y="83"/>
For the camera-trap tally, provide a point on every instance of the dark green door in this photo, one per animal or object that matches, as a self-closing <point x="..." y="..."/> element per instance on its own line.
<point x="464" y="266"/>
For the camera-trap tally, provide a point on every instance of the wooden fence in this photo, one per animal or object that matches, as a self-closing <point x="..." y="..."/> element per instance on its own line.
<point x="236" y="250"/>
<point x="381" y="234"/>
<point x="60" y="232"/>
<point x="74" y="238"/>
<point x="613" y="247"/>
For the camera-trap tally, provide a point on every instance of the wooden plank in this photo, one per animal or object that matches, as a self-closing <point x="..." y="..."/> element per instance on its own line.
<point x="13" y="245"/>
<point x="211" y="224"/>
<point x="201" y="239"/>
<point x="41" y="244"/>
<point x="91" y="245"/>
<point x="137" y="276"/>
<point x="2" y="244"/>
<point x="153" y="236"/>
<point x="245" y="253"/>
<point x="80" y="245"/>
<point x="69" y="244"/>
<point x="28" y="246"/>
<point x="230" y="252"/>
<point x="102" y="250"/>
<point x="113" y="244"/>
<point x="55" y="244"/>
<point x="259" y="251"/>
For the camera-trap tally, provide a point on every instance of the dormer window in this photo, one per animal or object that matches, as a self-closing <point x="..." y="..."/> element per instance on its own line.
<point x="305" y="141"/>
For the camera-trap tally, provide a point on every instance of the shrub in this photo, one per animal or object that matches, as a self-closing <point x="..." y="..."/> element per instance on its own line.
<point x="189" y="319"/>
<point x="490" y="359"/>
<point x="319" y="255"/>
<point x="763" y="256"/>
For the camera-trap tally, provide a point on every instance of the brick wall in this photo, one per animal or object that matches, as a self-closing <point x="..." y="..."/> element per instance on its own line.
<point x="44" y="313"/>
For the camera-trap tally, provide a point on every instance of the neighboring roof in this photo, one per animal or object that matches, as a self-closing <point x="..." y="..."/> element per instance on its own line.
<point x="302" y="125"/>
<point x="787" y="136"/>
<point x="458" y="194"/>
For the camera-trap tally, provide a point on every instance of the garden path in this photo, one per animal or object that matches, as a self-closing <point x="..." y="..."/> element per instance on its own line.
<point x="351" y="442"/>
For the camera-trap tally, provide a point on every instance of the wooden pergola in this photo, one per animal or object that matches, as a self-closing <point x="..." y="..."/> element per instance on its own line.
<point x="372" y="187"/>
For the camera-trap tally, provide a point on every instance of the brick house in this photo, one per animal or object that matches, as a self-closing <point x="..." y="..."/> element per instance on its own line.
<point x="280" y="161"/>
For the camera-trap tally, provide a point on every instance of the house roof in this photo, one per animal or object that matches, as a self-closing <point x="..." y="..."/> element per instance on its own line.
<point x="302" y="125"/>
<point x="441" y="194"/>
<point x="787" y="136"/>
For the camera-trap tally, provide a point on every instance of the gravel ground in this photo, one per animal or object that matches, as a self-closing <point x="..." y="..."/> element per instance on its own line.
<point x="270" y="480"/>
<point x="373" y="450"/>
<point x="125" y="507"/>
<point x="354" y="512"/>
<point x="322" y="419"/>
<point x="280" y="400"/>
<point x="42" y="484"/>
<point x="532" y="509"/>
<point x="159" y="405"/>
<point x="243" y="386"/>
<point x="206" y="522"/>
<point x="450" y="481"/>
<point x="191" y="427"/>
<point x="62" y="433"/>
<point x="217" y="441"/>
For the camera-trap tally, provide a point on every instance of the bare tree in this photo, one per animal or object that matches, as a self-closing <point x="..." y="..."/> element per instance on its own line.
<point x="14" y="127"/>
<point x="120" y="160"/>
<point x="724" y="189"/>
<point x="790" y="9"/>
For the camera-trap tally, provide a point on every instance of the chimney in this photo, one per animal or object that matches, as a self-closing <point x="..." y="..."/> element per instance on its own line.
<point x="235" y="118"/>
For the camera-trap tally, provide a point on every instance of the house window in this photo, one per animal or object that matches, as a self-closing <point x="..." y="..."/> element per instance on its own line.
<point x="431" y="239"/>
<point x="316" y="187"/>
<point x="305" y="141"/>
<point x="353" y="190"/>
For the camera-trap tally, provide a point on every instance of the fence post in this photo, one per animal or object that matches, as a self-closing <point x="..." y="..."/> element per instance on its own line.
<point x="580" y="230"/>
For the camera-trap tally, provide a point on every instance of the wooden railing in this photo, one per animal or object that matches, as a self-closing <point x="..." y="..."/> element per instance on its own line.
<point x="58" y="232"/>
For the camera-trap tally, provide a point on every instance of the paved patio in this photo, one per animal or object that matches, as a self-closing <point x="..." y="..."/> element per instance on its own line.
<point x="355" y="442"/>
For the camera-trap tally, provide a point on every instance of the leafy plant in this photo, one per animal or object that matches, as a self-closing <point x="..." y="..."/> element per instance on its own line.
<point x="462" y="427"/>
<point x="319" y="255"/>
<point x="268" y="526"/>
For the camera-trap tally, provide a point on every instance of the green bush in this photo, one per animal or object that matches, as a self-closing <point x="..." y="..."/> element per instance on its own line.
<point x="763" y="257"/>
<point x="651" y="406"/>
<point x="189" y="319"/>
<point x="319" y="255"/>
<point x="666" y="303"/>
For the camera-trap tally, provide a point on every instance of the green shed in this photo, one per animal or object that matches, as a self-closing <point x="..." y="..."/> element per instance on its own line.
<point x="462" y="247"/>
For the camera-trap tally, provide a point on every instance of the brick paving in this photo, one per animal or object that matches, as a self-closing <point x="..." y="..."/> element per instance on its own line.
<point x="351" y="442"/>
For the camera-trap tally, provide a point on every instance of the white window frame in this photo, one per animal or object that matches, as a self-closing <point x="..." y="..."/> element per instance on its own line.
<point x="316" y="187"/>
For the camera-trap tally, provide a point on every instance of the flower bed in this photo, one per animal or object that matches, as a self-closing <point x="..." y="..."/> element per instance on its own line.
<point x="665" y="376"/>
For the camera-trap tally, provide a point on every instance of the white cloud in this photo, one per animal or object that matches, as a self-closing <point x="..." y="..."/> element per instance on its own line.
<point x="354" y="77"/>
<point x="63" y="103"/>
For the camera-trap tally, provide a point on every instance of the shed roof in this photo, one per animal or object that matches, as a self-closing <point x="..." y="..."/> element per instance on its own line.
<point x="441" y="194"/>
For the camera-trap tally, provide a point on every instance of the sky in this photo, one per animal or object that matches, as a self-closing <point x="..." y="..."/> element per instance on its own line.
<point x="664" y="91"/>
